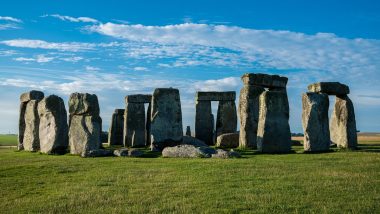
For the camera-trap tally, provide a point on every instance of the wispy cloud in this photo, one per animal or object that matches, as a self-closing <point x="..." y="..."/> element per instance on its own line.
<point x="39" y="58"/>
<point x="63" y="46"/>
<point x="10" y="19"/>
<point x="72" y="19"/>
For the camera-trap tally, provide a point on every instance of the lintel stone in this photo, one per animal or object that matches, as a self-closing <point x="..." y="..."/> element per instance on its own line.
<point x="215" y="96"/>
<point x="138" y="98"/>
<point x="330" y="88"/>
<point x="264" y="80"/>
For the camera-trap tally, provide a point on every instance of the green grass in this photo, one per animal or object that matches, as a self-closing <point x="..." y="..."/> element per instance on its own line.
<point x="8" y="140"/>
<point x="335" y="182"/>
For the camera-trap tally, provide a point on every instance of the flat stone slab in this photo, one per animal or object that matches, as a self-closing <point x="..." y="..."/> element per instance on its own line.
<point x="187" y="151"/>
<point x="264" y="80"/>
<point x="228" y="140"/>
<point x="215" y="95"/>
<point x="138" y="98"/>
<point x="330" y="88"/>
<point x="31" y="95"/>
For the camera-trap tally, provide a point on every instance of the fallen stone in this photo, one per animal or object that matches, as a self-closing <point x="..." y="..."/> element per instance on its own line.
<point x="204" y="122"/>
<point x="220" y="153"/>
<point x="96" y="153"/>
<point x="135" y="153"/>
<point x="166" y="118"/>
<point x="249" y="115"/>
<point x="53" y="128"/>
<point x="330" y="88"/>
<point x="343" y="124"/>
<point x="264" y="80"/>
<point x="193" y="141"/>
<point x="31" y="141"/>
<point x="121" y="152"/>
<point x="226" y="119"/>
<point x="83" y="104"/>
<point x="315" y="122"/>
<point x="187" y="151"/>
<point x="273" y="133"/>
<point x="215" y="96"/>
<point x="228" y="140"/>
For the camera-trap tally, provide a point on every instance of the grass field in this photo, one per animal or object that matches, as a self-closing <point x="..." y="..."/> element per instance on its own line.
<point x="8" y="140"/>
<point x="335" y="182"/>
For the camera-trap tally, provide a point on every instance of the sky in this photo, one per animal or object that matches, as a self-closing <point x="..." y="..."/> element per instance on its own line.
<point x="116" y="48"/>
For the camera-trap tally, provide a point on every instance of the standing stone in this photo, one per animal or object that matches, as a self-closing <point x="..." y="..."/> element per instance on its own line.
<point x="188" y="131"/>
<point x="249" y="115"/>
<point x="273" y="133"/>
<point x="31" y="141"/>
<point x="84" y="124"/>
<point x="166" y="118"/>
<point x="147" y="125"/>
<point x="53" y="128"/>
<point x="115" y="132"/>
<point x="25" y="98"/>
<point x="343" y="123"/>
<point x="226" y="119"/>
<point x="134" y="123"/>
<point x="204" y="125"/>
<point x="315" y="122"/>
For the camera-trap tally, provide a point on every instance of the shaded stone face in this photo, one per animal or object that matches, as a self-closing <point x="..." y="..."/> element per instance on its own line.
<point x="249" y="115"/>
<point x="343" y="123"/>
<point x="215" y="96"/>
<point x="204" y="122"/>
<point x="83" y="104"/>
<point x="138" y="98"/>
<point x="229" y="140"/>
<point x="188" y="131"/>
<point x="115" y="132"/>
<point x="147" y="125"/>
<point x="264" y="80"/>
<point x="166" y="119"/>
<point x="273" y="133"/>
<point x="315" y="122"/>
<point x="31" y="95"/>
<point x="53" y="128"/>
<point x="330" y="88"/>
<point x="226" y="119"/>
<point x="134" y="123"/>
<point x="31" y="140"/>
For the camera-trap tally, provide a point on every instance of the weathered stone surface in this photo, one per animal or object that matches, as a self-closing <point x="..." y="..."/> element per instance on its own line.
<point x="273" y="132"/>
<point x="83" y="104"/>
<point x="84" y="133"/>
<point x="115" y="132"/>
<point x="53" y="128"/>
<point x="187" y="151"/>
<point x="343" y="123"/>
<point x="249" y="115"/>
<point x="228" y="140"/>
<point x="188" y="131"/>
<point x="204" y="122"/>
<point x="96" y="153"/>
<point x="138" y="98"/>
<point x="134" y="125"/>
<point x="330" y="88"/>
<point x="135" y="153"/>
<point x="215" y="96"/>
<point x="226" y="119"/>
<point x="315" y="122"/>
<point x="220" y="153"/>
<point x="264" y="80"/>
<point x="121" y="152"/>
<point x="166" y="119"/>
<point x="193" y="141"/>
<point x="147" y="125"/>
<point x="31" y="141"/>
<point x="31" y="95"/>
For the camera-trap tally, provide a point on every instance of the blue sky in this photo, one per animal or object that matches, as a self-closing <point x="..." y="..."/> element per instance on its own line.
<point x="116" y="48"/>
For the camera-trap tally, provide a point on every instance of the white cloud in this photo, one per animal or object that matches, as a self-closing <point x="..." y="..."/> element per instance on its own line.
<point x="92" y="68"/>
<point x="8" y="26"/>
<point x="39" y="58"/>
<point x="63" y="46"/>
<point x="10" y="19"/>
<point x="72" y="59"/>
<point x="140" y="69"/>
<point x="73" y="19"/>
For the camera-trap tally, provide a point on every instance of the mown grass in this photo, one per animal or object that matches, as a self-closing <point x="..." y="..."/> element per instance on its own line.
<point x="8" y="140"/>
<point x="335" y="182"/>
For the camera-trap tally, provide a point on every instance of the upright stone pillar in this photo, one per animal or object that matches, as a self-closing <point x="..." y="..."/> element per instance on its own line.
<point x="166" y="119"/>
<point x="147" y="125"/>
<point x="226" y="119"/>
<point x="115" y="132"/>
<point x="249" y="115"/>
<point x="204" y="125"/>
<point x="273" y="133"/>
<point x="315" y="122"/>
<point x="188" y="131"/>
<point x="343" y="123"/>
<point x="84" y="123"/>
<point x="53" y="128"/>
<point x="134" y="123"/>
<point x="28" y="138"/>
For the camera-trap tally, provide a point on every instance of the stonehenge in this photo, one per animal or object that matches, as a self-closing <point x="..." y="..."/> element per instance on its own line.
<point x="188" y="131"/>
<point x="318" y="132"/>
<point x="136" y="130"/>
<point x="115" y="131"/>
<point x="84" y="123"/>
<point x="53" y="129"/>
<point x="226" y="119"/>
<point x="28" y="138"/>
<point x="166" y="118"/>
